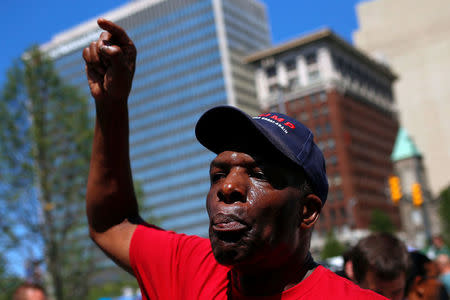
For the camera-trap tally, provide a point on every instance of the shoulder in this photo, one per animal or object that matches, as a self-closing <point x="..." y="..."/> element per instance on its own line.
<point x="145" y="237"/>
<point x="153" y="246"/>
<point x="170" y="265"/>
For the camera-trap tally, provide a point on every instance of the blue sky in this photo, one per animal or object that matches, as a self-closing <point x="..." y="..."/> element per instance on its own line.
<point x="27" y="22"/>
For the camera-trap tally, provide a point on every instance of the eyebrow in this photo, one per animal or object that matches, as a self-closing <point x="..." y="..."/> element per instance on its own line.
<point x="216" y="164"/>
<point x="222" y="164"/>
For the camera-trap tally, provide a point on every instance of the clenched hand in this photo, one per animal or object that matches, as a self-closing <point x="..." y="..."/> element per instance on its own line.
<point x="110" y="64"/>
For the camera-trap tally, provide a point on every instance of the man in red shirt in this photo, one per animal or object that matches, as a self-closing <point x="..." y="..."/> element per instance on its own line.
<point x="268" y="186"/>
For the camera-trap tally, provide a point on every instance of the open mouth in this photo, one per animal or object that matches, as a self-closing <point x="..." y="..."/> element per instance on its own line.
<point x="229" y="236"/>
<point x="228" y="228"/>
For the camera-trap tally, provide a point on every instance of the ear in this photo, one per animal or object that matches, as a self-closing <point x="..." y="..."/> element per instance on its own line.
<point x="348" y="267"/>
<point x="416" y="291"/>
<point x="311" y="210"/>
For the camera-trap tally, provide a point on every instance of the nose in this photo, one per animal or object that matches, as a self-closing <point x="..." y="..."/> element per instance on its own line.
<point x="234" y="188"/>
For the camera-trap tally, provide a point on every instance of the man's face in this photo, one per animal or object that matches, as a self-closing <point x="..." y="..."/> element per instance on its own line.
<point x="438" y="242"/>
<point x="391" y="289"/>
<point x="254" y="209"/>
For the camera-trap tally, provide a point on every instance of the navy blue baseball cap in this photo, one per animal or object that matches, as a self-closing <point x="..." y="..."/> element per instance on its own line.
<point x="226" y="128"/>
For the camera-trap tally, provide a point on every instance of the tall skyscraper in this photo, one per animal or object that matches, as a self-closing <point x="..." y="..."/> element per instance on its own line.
<point x="417" y="48"/>
<point x="346" y="99"/>
<point x="189" y="59"/>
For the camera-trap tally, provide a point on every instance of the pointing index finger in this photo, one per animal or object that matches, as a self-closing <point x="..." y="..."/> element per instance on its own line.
<point x="116" y="31"/>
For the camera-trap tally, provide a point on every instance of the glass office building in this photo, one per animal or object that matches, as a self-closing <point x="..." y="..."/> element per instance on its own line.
<point x="189" y="59"/>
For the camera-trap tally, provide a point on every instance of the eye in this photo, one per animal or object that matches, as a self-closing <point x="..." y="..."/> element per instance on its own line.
<point x="216" y="176"/>
<point x="259" y="175"/>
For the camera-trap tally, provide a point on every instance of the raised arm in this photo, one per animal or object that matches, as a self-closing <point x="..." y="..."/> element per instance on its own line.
<point x="111" y="204"/>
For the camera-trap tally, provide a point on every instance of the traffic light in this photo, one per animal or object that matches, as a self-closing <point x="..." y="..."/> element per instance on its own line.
<point x="416" y="194"/>
<point x="396" y="189"/>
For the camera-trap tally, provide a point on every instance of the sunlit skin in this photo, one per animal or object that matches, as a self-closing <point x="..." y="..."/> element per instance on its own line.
<point x="33" y="294"/>
<point x="425" y="289"/>
<point x="432" y="269"/>
<point x="260" y="220"/>
<point x="391" y="289"/>
<point x="349" y="270"/>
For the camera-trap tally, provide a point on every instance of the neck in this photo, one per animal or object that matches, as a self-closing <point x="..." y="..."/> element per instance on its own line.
<point x="265" y="282"/>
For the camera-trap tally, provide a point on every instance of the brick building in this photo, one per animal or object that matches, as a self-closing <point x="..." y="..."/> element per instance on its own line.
<point x="346" y="99"/>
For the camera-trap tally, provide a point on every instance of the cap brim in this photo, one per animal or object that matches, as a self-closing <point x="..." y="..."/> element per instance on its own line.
<point x="225" y="128"/>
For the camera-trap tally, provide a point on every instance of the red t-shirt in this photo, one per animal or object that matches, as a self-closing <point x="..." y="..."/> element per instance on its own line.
<point x="173" y="266"/>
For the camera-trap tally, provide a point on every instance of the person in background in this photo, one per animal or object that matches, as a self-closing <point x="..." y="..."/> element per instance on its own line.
<point x="437" y="247"/>
<point x="443" y="262"/>
<point x="29" y="291"/>
<point x="380" y="263"/>
<point x="347" y="267"/>
<point x="422" y="282"/>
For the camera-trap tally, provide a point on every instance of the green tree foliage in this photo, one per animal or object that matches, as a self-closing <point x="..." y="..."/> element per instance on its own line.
<point x="8" y="281"/>
<point x="45" y="142"/>
<point x="444" y="212"/>
<point x="332" y="247"/>
<point x="380" y="222"/>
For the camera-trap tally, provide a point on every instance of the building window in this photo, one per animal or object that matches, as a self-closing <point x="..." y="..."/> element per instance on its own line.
<point x="313" y="75"/>
<point x="293" y="83"/>
<point x="333" y="214"/>
<point x="327" y="127"/>
<point x="318" y="130"/>
<point x="321" y="145"/>
<point x="313" y="67"/>
<point x="331" y="143"/>
<point x="291" y="65"/>
<point x="316" y="113"/>
<point x="273" y="88"/>
<point x="332" y="160"/>
<point x="311" y="58"/>
<point x="324" y="110"/>
<point x="296" y="104"/>
<point x="271" y="72"/>
<point x="323" y="96"/>
<point x="304" y="116"/>
<point x="337" y="180"/>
